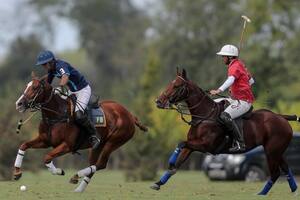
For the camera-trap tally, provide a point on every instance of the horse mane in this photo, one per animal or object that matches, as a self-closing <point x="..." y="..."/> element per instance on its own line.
<point x="203" y="92"/>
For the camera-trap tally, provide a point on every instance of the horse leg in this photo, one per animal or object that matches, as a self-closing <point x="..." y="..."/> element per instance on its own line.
<point x="289" y="175"/>
<point x="100" y="164"/>
<point x="93" y="157"/>
<point x="84" y="182"/>
<point x="273" y="163"/>
<point x="178" y="157"/>
<point x="35" y="144"/>
<point x="60" y="150"/>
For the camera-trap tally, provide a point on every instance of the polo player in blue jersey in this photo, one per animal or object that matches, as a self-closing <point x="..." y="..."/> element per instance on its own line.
<point x="77" y="84"/>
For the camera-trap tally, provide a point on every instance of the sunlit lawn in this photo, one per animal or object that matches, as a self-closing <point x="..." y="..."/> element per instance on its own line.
<point x="111" y="185"/>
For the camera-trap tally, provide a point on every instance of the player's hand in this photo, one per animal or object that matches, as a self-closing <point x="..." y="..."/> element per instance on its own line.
<point x="62" y="91"/>
<point x="215" y="92"/>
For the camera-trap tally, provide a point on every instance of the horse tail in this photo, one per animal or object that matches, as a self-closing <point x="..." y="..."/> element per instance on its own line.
<point x="139" y="124"/>
<point x="291" y="117"/>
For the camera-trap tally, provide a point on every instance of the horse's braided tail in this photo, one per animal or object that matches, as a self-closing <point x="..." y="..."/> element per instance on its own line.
<point x="139" y="124"/>
<point x="291" y="117"/>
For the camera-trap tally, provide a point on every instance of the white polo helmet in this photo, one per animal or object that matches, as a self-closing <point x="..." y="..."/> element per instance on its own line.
<point x="228" y="50"/>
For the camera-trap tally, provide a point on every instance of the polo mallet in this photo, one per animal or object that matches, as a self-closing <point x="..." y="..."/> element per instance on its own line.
<point x="20" y="123"/>
<point x="246" y="20"/>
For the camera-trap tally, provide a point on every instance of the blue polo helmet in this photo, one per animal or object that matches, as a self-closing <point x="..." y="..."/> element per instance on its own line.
<point x="44" y="57"/>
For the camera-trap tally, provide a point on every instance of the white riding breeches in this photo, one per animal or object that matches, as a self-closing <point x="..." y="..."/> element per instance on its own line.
<point x="236" y="107"/>
<point x="83" y="97"/>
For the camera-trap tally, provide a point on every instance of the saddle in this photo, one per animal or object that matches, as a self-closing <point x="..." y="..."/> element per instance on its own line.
<point x="93" y="110"/>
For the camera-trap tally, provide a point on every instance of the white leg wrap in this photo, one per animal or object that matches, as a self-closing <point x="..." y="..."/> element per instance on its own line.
<point x="19" y="158"/>
<point x="87" y="171"/>
<point x="51" y="167"/>
<point x="83" y="184"/>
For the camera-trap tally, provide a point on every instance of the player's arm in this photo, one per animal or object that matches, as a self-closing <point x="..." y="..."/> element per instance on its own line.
<point x="64" y="80"/>
<point x="229" y="81"/>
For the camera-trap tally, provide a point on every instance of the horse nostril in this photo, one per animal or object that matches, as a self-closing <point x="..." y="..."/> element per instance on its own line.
<point x="21" y="103"/>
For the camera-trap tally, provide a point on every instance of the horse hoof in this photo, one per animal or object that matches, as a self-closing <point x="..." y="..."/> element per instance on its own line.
<point x="155" y="187"/>
<point x="62" y="172"/>
<point x="74" y="179"/>
<point x="78" y="190"/>
<point x="17" y="176"/>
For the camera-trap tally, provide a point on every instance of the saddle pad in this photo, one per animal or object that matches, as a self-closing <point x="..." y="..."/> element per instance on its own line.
<point x="97" y="116"/>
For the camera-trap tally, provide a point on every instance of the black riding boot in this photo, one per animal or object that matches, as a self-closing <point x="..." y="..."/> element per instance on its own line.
<point x="239" y="144"/>
<point x="84" y="122"/>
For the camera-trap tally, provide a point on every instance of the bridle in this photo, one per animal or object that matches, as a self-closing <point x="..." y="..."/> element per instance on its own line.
<point x="39" y="106"/>
<point x="31" y="102"/>
<point x="176" y="97"/>
<point x="36" y="106"/>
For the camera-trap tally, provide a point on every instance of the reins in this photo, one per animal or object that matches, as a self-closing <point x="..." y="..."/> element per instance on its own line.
<point x="40" y="106"/>
<point x="179" y="107"/>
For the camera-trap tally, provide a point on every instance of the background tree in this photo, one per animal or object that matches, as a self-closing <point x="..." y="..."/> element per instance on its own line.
<point x="142" y="162"/>
<point x="112" y="34"/>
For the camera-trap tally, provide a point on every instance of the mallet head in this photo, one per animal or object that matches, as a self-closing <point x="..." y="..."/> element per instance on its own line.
<point x="246" y="18"/>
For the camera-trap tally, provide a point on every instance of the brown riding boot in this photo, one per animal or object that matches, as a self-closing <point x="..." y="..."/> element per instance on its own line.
<point x="232" y="127"/>
<point x="85" y="123"/>
<point x="239" y="144"/>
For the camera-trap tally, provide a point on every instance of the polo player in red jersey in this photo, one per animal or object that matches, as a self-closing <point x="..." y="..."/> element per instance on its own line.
<point x="239" y="81"/>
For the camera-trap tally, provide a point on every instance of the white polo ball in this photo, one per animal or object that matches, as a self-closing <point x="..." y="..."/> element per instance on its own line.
<point x="23" y="188"/>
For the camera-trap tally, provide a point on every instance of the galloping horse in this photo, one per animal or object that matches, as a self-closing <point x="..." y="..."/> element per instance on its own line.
<point x="57" y="129"/>
<point x="206" y="134"/>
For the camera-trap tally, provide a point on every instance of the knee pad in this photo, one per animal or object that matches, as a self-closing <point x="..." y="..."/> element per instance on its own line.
<point x="225" y="117"/>
<point x="79" y="116"/>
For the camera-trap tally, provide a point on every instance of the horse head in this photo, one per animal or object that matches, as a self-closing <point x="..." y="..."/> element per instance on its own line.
<point x="36" y="93"/>
<point x="176" y="91"/>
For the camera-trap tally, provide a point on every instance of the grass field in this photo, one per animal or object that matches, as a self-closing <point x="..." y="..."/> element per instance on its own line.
<point x="111" y="185"/>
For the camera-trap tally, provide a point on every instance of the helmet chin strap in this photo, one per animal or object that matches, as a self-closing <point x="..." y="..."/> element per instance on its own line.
<point x="232" y="58"/>
<point x="229" y="60"/>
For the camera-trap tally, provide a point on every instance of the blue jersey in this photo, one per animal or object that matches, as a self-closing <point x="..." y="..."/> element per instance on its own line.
<point x="76" y="80"/>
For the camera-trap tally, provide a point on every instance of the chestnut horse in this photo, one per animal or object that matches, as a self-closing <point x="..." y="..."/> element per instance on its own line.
<point x="57" y="129"/>
<point x="206" y="134"/>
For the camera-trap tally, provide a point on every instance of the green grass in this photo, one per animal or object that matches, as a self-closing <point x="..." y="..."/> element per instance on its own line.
<point x="111" y="185"/>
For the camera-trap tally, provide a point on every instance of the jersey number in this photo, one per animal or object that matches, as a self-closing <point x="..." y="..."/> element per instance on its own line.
<point x="62" y="71"/>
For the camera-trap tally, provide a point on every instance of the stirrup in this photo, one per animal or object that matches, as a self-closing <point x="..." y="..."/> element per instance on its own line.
<point x="237" y="148"/>
<point x="95" y="141"/>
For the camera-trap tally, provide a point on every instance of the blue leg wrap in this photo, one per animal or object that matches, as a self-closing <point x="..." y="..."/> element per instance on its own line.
<point x="290" y="178"/>
<point x="165" y="177"/>
<point x="172" y="161"/>
<point x="267" y="188"/>
<point x="174" y="156"/>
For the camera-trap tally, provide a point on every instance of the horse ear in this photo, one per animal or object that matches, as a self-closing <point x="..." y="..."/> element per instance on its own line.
<point x="177" y="71"/>
<point x="184" y="74"/>
<point x="33" y="76"/>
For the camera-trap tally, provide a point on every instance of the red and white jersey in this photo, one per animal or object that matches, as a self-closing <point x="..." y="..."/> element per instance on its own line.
<point x="241" y="88"/>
